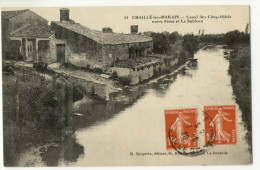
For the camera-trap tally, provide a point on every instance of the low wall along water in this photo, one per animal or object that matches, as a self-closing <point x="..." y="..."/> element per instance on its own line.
<point x="27" y="74"/>
<point x="145" y="71"/>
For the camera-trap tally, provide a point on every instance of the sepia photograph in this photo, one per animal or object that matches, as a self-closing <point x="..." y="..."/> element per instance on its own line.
<point x="126" y="86"/>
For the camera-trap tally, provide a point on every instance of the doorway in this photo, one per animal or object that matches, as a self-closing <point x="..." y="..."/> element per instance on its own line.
<point x="30" y="50"/>
<point x="60" y="53"/>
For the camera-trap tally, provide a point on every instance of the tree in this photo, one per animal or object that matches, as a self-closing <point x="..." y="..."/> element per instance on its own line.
<point x="166" y="33"/>
<point x="107" y="30"/>
<point x="191" y="43"/>
<point x="174" y="36"/>
<point x="212" y="38"/>
<point x="236" y="36"/>
<point x="161" y="43"/>
<point x="148" y="33"/>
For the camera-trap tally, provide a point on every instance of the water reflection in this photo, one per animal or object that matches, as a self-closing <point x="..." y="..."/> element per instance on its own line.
<point x="68" y="151"/>
<point x="185" y="73"/>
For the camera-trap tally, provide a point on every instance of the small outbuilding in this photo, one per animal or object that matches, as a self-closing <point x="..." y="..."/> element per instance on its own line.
<point x="16" y="20"/>
<point x="33" y="43"/>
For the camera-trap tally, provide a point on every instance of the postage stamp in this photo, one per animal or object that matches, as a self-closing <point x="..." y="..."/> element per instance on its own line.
<point x="181" y="131"/>
<point x="223" y="119"/>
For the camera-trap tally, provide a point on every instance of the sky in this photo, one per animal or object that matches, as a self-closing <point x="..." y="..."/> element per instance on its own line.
<point x="113" y="17"/>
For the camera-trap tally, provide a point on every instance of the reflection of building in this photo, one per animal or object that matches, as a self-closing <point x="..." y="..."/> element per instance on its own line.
<point x="13" y="21"/>
<point x="66" y="39"/>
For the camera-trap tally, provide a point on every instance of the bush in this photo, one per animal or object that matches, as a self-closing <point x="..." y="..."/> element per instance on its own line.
<point x="77" y="94"/>
<point x="39" y="117"/>
<point x="7" y="69"/>
<point x="125" y="80"/>
<point x="114" y="75"/>
<point x="240" y="71"/>
<point x="40" y="66"/>
<point x="97" y="70"/>
<point x="44" y="113"/>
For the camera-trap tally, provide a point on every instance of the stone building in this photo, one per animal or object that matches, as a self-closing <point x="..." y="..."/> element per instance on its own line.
<point x="13" y="21"/>
<point x="34" y="44"/>
<point x="96" y="47"/>
<point x="66" y="41"/>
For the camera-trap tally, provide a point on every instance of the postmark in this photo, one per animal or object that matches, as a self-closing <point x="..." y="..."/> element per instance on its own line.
<point x="224" y="120"/>
<point x="181" y="131"/>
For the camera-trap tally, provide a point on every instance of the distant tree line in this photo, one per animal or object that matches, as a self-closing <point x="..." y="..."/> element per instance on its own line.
<point x="212" y="38"/>
<point x="234" y="37"/>
<point x="162" y="41"/>
<point x="230" y="38"/>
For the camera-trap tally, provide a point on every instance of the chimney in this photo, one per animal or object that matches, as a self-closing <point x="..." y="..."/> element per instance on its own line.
<point x="64" y="14"/>
<point x="134" y="29"/>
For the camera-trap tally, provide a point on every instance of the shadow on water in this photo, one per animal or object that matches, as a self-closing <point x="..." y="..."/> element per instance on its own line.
<point x="67" y="151"/>
<point x="95" y="112"/>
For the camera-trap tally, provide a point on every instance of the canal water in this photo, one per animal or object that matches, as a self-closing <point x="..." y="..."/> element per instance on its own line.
<point x="107" y="134"/>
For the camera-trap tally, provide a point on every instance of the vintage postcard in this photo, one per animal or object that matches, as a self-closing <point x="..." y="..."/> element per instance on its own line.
<point x="126" y="86"/>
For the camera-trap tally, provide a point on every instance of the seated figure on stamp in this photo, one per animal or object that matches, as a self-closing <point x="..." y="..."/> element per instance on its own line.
<point x="178" y="126"/>
<point x="221" y="134"/>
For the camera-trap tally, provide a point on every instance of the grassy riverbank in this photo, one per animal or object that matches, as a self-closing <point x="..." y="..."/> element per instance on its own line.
<point x="240" y="71"/>
<point x="40" y="118"/>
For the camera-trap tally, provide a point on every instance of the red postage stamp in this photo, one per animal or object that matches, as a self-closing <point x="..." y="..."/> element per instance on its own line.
<point x="181" y="131"/>
<point x="223" y="121"/>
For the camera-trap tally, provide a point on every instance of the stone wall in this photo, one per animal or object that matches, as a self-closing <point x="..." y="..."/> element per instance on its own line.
<point x="145" y="71"/>
<point x="53" y="52"/>
<point x="14" y="47"/>
<point x="121" y="72"/>
<point x="139" y="49"/>
<point x="91" y="87"/>
<point x="112" y="53"/>
<point x="44" y="51"/>
<point x="78" y="46"/>
<point x="5" y="37"/>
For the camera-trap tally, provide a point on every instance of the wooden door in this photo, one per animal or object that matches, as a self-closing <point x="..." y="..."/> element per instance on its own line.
<point x="61" y="53"/>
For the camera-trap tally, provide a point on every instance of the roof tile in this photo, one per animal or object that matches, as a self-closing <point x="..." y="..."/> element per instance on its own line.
<point x="39" y="31"/>
<point x="11" y="14"/>
<point x="101" y="37"/>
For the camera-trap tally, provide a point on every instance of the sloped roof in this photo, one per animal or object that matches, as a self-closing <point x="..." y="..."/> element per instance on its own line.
<point x="101" y="37"/>
<point x="38" y="31"/>
<point x="11" y="14"/>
